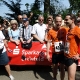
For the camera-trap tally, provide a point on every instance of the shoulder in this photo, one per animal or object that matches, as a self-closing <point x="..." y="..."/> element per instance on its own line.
<point x="76" y="27"/>
<point x="52" y="31"/>
<point x="35" y="25"/>
<point x="0" y="31"/>
<point x="30" y="25"/>
<point x="64" y="29"/>
<point x="45" y="25"/>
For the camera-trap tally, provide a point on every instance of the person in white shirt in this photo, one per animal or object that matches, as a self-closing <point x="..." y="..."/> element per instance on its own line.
<point x="39" y="29"/>
<point x="3" y="55"/>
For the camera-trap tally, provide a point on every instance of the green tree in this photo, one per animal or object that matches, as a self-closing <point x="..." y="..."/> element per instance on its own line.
<point x="35" y="8"/>
<point x="47" y="6"/>
<point x="74" y="6"/>
<point x="27" y="5"/>
<point x="14" y="7"/>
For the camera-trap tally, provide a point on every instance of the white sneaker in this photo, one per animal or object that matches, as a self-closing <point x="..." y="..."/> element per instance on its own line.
<point x="11" y="77"/>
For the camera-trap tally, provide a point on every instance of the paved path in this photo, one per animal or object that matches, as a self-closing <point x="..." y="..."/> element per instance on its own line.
<point x="31" y="73"/>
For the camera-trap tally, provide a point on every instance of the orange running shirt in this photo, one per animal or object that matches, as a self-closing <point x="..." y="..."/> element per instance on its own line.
<point x="57" y="36"/>
<point x="72" y="42"/>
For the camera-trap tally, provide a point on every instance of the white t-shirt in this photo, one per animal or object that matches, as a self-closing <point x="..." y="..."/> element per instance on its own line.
<point x="39" y="30"/>
<point x="2" y="37"/>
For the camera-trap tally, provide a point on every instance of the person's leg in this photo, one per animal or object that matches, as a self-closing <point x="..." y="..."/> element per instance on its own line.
<point x="7" y="67"/>
<point x="55" y="66"/>
<point x="62" y="71"/>
<point x="72" y="71"/>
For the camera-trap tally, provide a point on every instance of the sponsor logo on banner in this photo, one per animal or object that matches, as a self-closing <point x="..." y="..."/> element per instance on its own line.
<point x="32" y="55"/>
<point x="16" y="50"/>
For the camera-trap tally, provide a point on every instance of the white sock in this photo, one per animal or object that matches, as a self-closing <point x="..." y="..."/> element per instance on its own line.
<point x="11" y="77"/>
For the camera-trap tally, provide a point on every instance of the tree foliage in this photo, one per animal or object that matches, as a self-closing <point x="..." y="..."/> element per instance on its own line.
<point x="53" y="7"/>
<point x="74" y="6"/>
<point x="35" y="8"/>
<point x="14" y="7"/>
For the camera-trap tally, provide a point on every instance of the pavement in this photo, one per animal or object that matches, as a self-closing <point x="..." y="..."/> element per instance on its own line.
<point x="32" y="73"/>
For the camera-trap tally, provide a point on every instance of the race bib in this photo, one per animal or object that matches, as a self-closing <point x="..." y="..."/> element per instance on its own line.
<point x="66" y="49"/>
<point x="59" y="46"/>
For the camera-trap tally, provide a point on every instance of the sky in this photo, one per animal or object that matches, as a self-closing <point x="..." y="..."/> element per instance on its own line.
<point x="4" y="9"/>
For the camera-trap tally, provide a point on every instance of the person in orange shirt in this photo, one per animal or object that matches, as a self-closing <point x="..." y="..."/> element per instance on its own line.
<point x="71" y="46"/>
<point x="57" y="38"/>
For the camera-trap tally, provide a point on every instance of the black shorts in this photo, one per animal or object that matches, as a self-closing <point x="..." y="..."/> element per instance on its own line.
<point x="69" y="61"/>
<point x="58" y="58"/>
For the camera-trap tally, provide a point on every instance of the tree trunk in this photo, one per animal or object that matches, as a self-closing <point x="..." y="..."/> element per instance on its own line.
<point x="47" y="6"/>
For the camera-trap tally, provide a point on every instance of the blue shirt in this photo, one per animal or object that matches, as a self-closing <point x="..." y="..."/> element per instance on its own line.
<point x="14" y="34"/>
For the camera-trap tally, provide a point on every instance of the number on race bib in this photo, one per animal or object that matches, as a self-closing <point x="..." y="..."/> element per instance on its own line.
<point x="59" y="46"/>
<point x="66" y="49"/>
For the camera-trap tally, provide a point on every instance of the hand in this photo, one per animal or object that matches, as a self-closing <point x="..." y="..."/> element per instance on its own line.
<point x="48" y="57"/>
<point x="29" y="41"/>
<point x="17" y="42"/>
<point x="76" y="57"/>
<point x="41" y="41"/>
<point x="31" y="14"/>
<point x="9" y="50"/>
<point x="24" y="42"/>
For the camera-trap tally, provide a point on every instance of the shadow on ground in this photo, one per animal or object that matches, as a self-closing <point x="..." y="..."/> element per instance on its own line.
<point x="42" y="71"/>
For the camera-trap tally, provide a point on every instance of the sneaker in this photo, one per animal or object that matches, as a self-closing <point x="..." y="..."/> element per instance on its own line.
<point x="11" y="77"/>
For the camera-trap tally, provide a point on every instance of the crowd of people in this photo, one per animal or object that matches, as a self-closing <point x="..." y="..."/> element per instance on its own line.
<point x="62" y="35"/>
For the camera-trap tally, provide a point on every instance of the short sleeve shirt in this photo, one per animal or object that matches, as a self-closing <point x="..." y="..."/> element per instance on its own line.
<point x="14" y="34"/>
<point x="27" y="32"/>
<point x="73" y="38"/>
<point x="39" y="30"/>
<point x="2" y="37"/>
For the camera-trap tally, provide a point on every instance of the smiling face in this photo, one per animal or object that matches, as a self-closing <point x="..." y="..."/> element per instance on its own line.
<point x="68" y="21"/>
<point x="14" y="24"/>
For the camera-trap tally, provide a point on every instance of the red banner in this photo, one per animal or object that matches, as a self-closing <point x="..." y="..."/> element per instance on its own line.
<point x="35" y="56"/>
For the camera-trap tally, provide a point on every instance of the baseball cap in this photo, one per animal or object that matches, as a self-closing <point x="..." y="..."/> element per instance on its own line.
<point x="25" y="19"/>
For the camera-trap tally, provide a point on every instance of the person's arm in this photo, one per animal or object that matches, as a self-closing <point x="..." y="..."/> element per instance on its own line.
<point x="33" y="33"/>
<point x="5" y="43"/>
<point x="35" y="36"/>
<point x="31" y="14"/>
<point x="21" y="39"/>
<point x="21" y="35"/>
<point x="47" y="51"/>
<point x="46" y="33"/>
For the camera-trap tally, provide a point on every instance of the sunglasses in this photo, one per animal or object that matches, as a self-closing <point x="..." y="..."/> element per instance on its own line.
<point x="66" y="19"/>
<point x="20" y="18"/>
<point x="41" y="19"/>
<point x="49" y="20"/>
